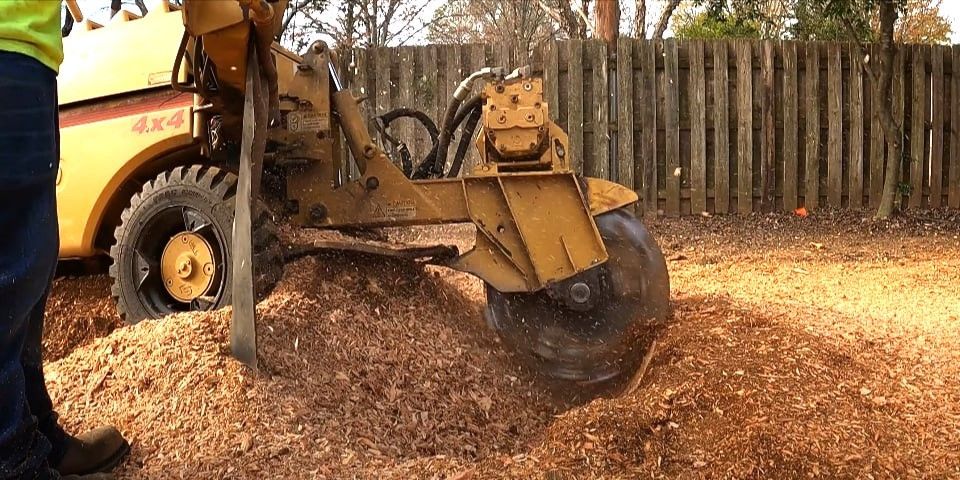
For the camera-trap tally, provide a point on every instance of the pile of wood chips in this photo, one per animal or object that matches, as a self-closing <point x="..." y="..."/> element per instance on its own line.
<point x="798" y="350"/>
<point x="365" y="364"/>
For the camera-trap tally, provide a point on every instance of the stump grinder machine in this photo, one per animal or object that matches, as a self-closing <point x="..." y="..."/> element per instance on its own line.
<point x="173" y="123"/>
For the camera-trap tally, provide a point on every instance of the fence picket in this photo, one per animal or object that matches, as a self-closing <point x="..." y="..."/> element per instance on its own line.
<point x="811" y="72"/>
<point x="936" y="138"/>
<point x="806" y="133"/>
<point x="650" y="196"/>
<point x="551" y="80"/>
<point x="877" y="143"/>
<point x="918" y="91"/>
<point x="625" y="89"/>
<point x="575" y="104"/>
<point x="698" y="137"/>
<point x="721" y="127"/>
<point x="834" y="122"/>
<point x="768" y="179"/>
<point x="953" y="198"/>
<point x="855" y="78"/>
<point x="598" y="160"/>
<point x="790" y="127"/>
<point x="744" y="128"/>
<point x="671" y="119"/>
<point x="899" y="106"/>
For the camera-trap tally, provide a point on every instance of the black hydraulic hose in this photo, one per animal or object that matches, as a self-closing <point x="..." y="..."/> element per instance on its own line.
<point x="450" y="124"/>
<point x="403" y="112"/>
<point x="423" y="118"/>
<point x="436" y="167"/>
<point x="466" y="137"/>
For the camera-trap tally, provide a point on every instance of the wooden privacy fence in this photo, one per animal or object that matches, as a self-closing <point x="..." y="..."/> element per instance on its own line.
<point x="714" y="126"/>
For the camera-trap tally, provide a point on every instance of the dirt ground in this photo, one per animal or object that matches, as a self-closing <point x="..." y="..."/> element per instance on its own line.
<point x="826" y="346"/>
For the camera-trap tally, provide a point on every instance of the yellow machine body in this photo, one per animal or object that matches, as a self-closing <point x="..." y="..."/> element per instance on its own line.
<point x="122" y="123"/>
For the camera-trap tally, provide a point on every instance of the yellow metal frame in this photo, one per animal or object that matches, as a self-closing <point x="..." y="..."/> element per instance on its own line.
<point x="534" y="216"/>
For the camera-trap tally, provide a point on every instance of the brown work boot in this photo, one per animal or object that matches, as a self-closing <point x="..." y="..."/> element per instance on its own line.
<point x="99" y="450"/>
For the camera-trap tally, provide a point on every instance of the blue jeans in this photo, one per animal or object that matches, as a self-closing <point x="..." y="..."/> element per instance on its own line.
<point x="30" y="437"/>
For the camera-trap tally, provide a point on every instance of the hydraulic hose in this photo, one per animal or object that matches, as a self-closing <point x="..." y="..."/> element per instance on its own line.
<point x="433" y="165"/>
<point x="465" y="138"/>
<point x="449" y="123"/>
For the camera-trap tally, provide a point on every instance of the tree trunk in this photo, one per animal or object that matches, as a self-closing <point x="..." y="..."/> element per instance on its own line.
<point x="606" y="15"/>
<point x="640" y="22"/>
<point x="892" y="131"/>
<point x="665" y="19"/>
<point x="114" y="7"/>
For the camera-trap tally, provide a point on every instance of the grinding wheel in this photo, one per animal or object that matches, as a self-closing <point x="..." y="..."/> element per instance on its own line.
<point x="602" y="341"/>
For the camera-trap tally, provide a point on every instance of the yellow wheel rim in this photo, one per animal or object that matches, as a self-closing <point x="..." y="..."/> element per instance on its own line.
<point x="187" y="266"/>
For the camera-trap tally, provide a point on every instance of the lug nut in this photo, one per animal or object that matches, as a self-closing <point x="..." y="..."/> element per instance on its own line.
<point x="580" y="292"/>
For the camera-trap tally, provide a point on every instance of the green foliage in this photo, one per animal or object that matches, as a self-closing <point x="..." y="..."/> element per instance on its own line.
<point x="831" y="20"/>
<point x="706" y="26"/>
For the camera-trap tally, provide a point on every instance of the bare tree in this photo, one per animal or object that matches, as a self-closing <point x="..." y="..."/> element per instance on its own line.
<point x="606" y="17"/>
<point x="573" y="20"/>
<point x="521" y="25"/>
<point x="640" y="21"/>
<point x="664" y="21"/>
<point x="356" y="23"/>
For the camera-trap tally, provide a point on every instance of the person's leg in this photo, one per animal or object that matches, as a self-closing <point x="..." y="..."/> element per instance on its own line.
<point x="28" y="247"/>
<point x="37" y="397"/>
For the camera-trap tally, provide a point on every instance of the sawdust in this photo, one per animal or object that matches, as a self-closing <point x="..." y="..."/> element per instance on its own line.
<point x="79" y="310"/>
<point x="364" y="363"/>
<point x="820" y="347"/>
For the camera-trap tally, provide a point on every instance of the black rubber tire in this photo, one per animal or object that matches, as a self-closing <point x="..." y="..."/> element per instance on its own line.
<point x="603" y="347"/>
<point x="209" y="194"/>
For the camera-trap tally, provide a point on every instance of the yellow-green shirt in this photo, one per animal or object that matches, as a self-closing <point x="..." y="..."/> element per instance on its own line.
<point x="32" y="27"/>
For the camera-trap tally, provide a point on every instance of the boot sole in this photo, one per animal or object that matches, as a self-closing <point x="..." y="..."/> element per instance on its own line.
<point x="111" y="462"/>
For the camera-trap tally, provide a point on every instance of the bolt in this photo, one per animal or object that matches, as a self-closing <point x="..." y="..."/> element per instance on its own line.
<point x="499" y="88"/>
<point x="515" y="98"/>
<point x="502" y="119"/>
<point x="529" y="117"/>
<point x="318" y="213"/>
<point x="580" y="293"/>
<point x="527" y="86"/>
<point x="372" y="183"/>
<point x="292" y="206"/>
<point x="369" y="151"/>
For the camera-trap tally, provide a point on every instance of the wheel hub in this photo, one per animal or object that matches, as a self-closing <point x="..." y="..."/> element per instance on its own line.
<point x="186" y="266"/>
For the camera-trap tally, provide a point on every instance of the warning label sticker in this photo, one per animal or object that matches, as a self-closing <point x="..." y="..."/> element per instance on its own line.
<point x="394" y="209"/>
<point x="308" y="121"/>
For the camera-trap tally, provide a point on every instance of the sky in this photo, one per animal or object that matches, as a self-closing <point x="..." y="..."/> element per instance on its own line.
<point x="949" y="8"/>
